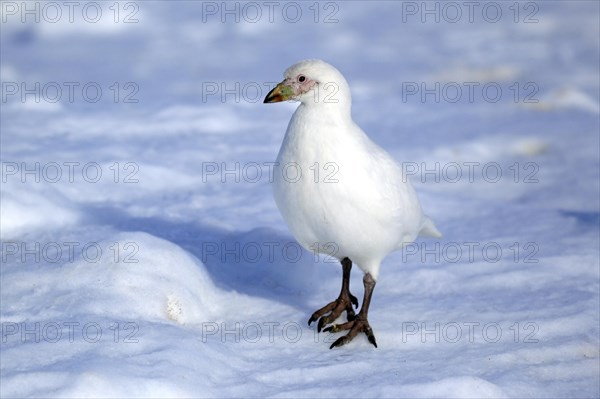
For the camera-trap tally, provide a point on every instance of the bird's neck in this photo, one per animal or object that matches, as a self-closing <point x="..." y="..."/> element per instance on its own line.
<point x="338" y="113"/>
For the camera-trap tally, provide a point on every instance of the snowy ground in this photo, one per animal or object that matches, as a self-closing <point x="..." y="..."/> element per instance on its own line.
<point x="143" y="256"/>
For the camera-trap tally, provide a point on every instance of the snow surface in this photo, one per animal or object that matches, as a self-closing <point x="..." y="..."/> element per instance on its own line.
<point x="172" y="279"/>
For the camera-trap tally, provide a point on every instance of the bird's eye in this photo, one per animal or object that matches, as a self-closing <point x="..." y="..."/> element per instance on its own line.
<point x="301" y="78"/>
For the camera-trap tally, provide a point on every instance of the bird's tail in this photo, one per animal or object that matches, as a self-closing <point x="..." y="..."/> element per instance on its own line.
<point x="428" y="229"/>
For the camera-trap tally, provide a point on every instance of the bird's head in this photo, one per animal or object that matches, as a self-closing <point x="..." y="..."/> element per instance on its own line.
<point x="311" y="82"/>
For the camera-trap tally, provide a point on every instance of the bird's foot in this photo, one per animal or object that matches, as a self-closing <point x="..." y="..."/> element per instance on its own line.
<point x="335" y="308"/>
<point x="355" y="326"/>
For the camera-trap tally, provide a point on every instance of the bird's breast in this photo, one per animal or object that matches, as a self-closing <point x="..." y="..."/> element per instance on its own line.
<point x="334" y="192"/>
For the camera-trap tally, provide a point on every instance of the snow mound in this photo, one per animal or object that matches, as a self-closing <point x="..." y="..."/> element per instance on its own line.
<point x="161" y="281"/>
<point x="128" y="276"/>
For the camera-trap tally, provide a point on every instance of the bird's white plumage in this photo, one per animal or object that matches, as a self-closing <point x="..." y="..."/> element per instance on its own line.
<point x="352" y="198"/>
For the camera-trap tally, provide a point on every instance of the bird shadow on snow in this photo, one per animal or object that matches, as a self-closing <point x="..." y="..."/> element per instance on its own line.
<point x="262" y="262"/>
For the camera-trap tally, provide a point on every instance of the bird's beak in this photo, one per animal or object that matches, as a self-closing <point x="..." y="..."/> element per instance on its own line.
<point x="281" y="92"/>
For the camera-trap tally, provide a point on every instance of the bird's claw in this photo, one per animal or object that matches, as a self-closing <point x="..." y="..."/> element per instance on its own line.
<point x="322" y="323"/>
<point x="356" y="326"/>
<point x="339" y="342"/>
<point x="353" y="300"/>
<point x="344" y="340"/>
<point x="328" y="313"/>
<point x="371" y="339"/>
<point x="325" y="309"/>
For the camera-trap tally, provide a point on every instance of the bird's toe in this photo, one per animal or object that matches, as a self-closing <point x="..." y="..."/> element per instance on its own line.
<point x="353" y="300"/>
<point x="356" y="326"/>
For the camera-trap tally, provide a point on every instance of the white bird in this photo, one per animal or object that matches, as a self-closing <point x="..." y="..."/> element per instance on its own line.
<point x="340" y="193"/>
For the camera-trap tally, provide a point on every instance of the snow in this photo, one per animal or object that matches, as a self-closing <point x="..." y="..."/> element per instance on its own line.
<point x="143" y="255"/>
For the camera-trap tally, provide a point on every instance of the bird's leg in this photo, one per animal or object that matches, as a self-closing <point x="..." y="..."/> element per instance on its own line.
<point x="360" y="322"/>
<point x="343" y="302"/>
